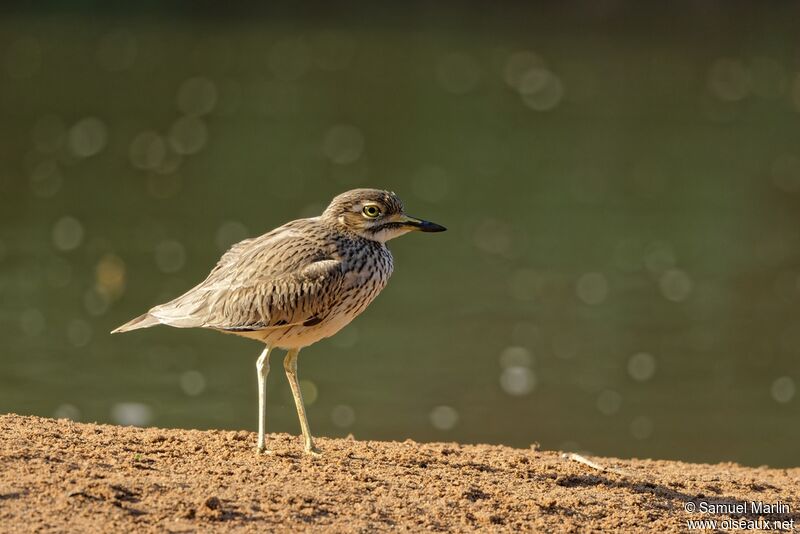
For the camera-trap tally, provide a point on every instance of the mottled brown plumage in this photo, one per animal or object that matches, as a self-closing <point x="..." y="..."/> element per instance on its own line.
<point x="297" y="284"/>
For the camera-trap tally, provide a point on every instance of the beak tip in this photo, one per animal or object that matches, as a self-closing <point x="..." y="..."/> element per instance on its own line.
<point x="432" y="227"/>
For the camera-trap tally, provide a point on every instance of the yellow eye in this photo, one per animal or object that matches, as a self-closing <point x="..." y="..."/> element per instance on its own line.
<point x="371" y="211"/>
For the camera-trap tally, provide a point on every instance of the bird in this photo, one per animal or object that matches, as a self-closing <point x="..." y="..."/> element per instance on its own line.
<point x="295" y="285"/>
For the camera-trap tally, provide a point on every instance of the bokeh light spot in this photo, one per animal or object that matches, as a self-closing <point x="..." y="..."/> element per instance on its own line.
<point x="541" y="90"/>
<point x="343" y="144"/>
<point x="46" y="178"/>
<point x="642" y="366"/>
<point x="518" y="65"/>
<point x="110" y="275"/>
<point x="88" y="137"/>
<point x="783" y="389"/>
<point x="729" y="80"/>
<point x="516" y="357"/>
<point x="493" y="236"/>
<point x="79" y="333"/>
<point x="343" y="416"/>
<point x="96" y="302"/>
<point x="675" y="285"/>
<point x="170" y="256"/>
<point x="230" y="233"/>
<point x="188" y="135"/>
<point x="67" y="233"/>
<point x="641" y="427"/>
<point x="309" y="391"/>
<point x="517" y="380"/>
<point x="67" y="411"/>
<point x="148" y="151"/>
<point x="609" y="402"/>
<point x="131" y="414"/>
<point x="192" y="382"/>
<point x="197" y="96"/>
<point x="592" y="288"/>
<point x="444" y="417"/>
<point x="659" y="257"/>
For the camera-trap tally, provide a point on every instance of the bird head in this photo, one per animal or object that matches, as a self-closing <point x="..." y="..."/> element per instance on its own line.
<point x="374" y="214"/>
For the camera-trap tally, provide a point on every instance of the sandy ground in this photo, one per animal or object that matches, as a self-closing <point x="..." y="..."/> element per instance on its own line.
<point x="60" y="476"/>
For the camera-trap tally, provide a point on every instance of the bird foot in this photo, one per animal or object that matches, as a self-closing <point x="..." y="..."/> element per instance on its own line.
<point x="313" y="452"/>
<point x="261" y="449"/>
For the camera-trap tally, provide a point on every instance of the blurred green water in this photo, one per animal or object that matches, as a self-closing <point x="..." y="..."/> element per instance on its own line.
<point x="621" y="269"/>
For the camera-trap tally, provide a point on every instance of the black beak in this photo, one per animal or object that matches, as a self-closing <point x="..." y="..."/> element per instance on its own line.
<point x="427" y="226"/>
<point x="423" y="226"/>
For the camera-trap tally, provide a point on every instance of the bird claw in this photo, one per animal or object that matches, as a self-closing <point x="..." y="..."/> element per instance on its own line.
<point x="265" y="451"/>
<point x="313" y="452"/>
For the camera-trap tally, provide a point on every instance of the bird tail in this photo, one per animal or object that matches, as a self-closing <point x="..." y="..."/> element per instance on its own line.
<point x="143" y="321"/>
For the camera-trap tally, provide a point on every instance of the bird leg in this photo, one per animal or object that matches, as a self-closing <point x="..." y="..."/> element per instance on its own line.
<point x="262" y="368"/>
<point x="290" y="365"/>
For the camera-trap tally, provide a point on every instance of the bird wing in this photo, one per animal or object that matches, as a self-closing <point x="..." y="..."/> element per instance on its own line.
<point x="286" y="277"/>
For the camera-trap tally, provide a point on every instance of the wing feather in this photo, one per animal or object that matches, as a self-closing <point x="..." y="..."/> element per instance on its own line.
<point x="283" y="278"/>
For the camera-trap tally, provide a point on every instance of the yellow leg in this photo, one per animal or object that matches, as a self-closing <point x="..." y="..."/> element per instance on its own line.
<point x="262" y="368"/>
<point x="290" y="365"/>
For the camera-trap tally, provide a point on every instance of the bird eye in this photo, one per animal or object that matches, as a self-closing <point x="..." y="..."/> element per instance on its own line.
<point x="371" y="211"/>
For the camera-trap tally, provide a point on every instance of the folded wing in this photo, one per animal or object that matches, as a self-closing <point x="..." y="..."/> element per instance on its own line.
<point x="282" y="278"/>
